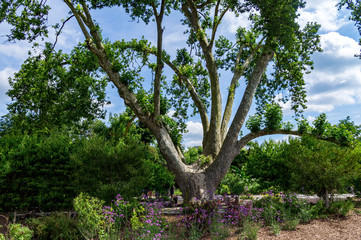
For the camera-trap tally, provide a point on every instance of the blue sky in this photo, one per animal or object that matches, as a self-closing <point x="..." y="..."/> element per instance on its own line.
<point x="333" y="87"/>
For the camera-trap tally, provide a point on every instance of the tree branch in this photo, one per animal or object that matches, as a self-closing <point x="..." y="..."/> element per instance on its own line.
<point x="79" y="20"/>
<point x="58" y="33"/>
<point x="204" y="4"/>
<point x="238" y="73"/>
<point x="265" y="132"/>
<point x="194" y="95"/>
<point x="216" y="23"/>
<point x="166" y="145"/>
<point x="93" y="29"/>
<point x="213" y="138"/>
<point x="159" y="68"/>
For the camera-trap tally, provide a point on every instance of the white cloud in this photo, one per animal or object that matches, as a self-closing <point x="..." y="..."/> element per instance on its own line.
<point x="170" y="113"/>
<point x="336" y="45"/>
<point x="323" y="12"/>
<point x="232" y="22"/>
<point x="194" y="128"/>
<point x="4" y="87"/>
<point x="4" y="78"/>
<point x="194" y="135"/>
<point x="310" y="119"/>
<point x="107" y="106"/>
<point x="328" y="90"/>
<point x="18" y="51"/>
<point x="336" y="80"/>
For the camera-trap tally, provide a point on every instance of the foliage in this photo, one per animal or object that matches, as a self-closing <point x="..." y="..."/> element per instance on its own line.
<point x="341" y="208"/>
<point x="121" y="212"/>
<point x="321" y="166"/>
<point x="274" y="37"/>
<point x="355" y="7"/>
<point x="276" y="228"/>
<point x="140" y="220"/>
<point x="29" y="22"/>
<point x="127" y="166"/>
<point x="236" y="213"/>
<point x="269" y="117"/>
<point x="56" y="226"/>
<point x="280" y="207"/>
<point x="56" y="89"/>
<point x="237" y="182"/>
<point x="91" y="220"/>
<point x="17" y="232"/>
<point x="200" y="214"/>
<point x="265" y="163"/>
<point x="254" y="123"/>
<point x="290" y="224"/>
<point x="38" y="172"/>
<point x="273" y="117"/>
<point x="250" y="230"/>
<point x="192" y="154"/>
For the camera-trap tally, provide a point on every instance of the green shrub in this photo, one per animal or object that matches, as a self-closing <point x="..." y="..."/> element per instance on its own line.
<point x="237" y="182"/>
<point x="91" y="220"/>
<point x="280" y="207"/>
<point x="276" y="228"/>
<point x="341" y="208"/>
<point x="250" y="230"/>
<point x="57" y="226"/>
<point x="39" y="173"/>
<point x="265" y="162"/>
<point x="321" y="166"/>
<point x="128" y="167"/>
<point x="17" y="232"/>
<point x="290" y="224"/>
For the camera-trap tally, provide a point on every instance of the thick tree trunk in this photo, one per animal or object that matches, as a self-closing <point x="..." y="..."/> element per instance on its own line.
<point x="197" y="185"/>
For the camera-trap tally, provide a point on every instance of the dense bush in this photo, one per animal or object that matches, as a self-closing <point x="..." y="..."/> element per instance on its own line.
<point x="321" y="167"/>
<point x="38" y="172"/>
<point x="106" y="169"/>
<point x="237" y="182"/>
<point x="302" y="164"/>
<point x="56" y="226"/>
<point x="266" y="163"/>
<point x="45" y="171"/>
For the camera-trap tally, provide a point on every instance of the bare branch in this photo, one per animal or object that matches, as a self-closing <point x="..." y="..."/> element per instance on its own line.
<point x="58" y="33"/>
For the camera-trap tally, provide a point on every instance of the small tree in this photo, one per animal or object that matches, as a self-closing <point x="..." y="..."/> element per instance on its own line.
<point x="320" y="166"/>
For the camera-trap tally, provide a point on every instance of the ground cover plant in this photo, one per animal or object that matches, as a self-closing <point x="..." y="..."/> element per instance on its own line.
<point x="217" y="219"/>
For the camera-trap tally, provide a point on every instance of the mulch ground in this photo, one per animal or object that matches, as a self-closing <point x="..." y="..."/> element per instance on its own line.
<point x="347" y="228"/>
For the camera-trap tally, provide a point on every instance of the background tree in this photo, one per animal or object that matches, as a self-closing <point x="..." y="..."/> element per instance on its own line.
<point x="273" y="39"/>
<point x="55" y="89"/>
<point x="321" y="166"/>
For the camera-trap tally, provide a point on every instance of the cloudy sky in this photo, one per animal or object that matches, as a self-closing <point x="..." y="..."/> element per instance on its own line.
<point x="334" y="86"/>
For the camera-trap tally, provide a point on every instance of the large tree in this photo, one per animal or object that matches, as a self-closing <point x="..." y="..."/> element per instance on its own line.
<point x="267" y="58"/>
